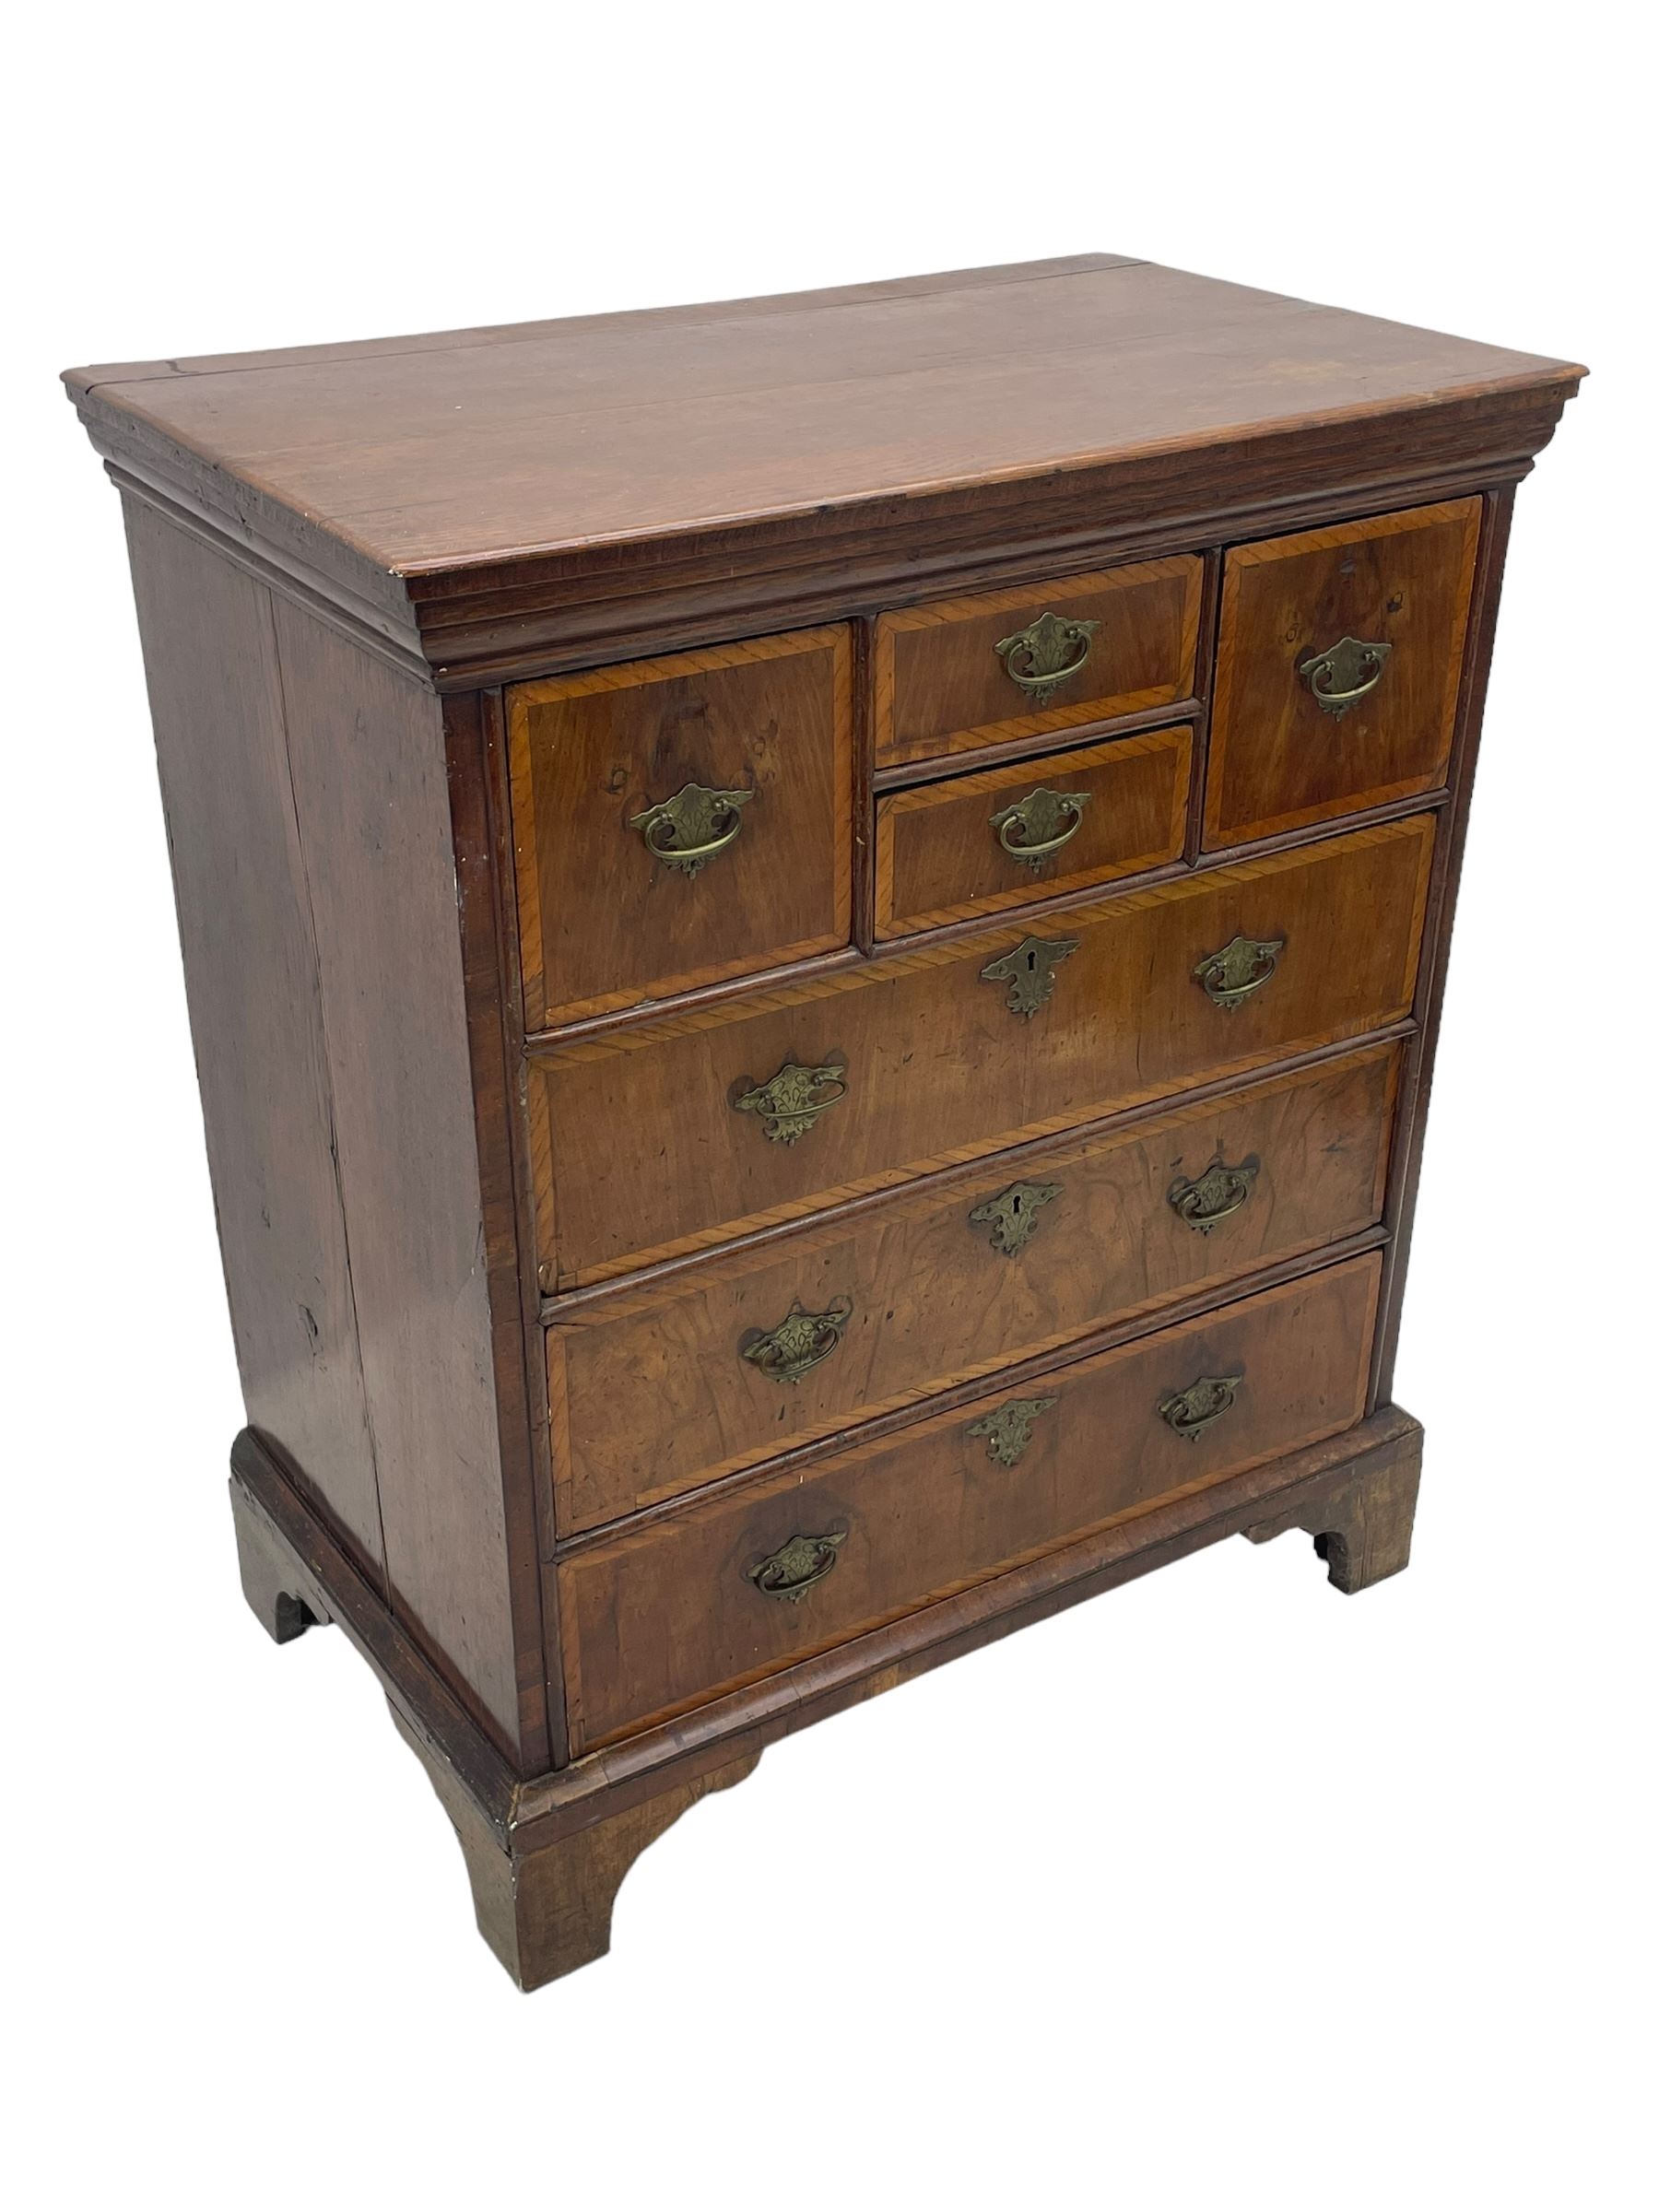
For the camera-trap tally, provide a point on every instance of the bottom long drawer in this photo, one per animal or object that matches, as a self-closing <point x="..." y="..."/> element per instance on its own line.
<point x="718" y="1596"/>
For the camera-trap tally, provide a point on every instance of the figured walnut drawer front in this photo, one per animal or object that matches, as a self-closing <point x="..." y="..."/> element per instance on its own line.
<point x="680" y="1134"/>
<point x="975" y="844"/>
<point x="680" y="820"/>
<point x="1337" y="669"/>
<point x="963" y="673"/>
<point x="722" y="1594"/>
<point x="749" y="1355"/>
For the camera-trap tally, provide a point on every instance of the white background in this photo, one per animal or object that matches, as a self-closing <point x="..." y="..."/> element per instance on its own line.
<point x="1223" y="1890"/>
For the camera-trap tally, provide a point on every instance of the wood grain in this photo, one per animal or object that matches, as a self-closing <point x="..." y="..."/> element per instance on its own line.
<point x="251" y="980"/>
<point x="545" y="1912"/>
<point x="1417" y="1073"/>
<point x="652" y="1395"/>
<point x="940" y="1070"/>
<point x="668" y="1619"/>
<point x="609" y="427"/>
<point x="1277" y="759"/>
<point x="941" y="687"/>
<point x="371" y="798"/>
<point x="938" y="858"/>
<point x="526" y="1813"/>
<point x="602" y="925"/>
<point x="341" y="550"/>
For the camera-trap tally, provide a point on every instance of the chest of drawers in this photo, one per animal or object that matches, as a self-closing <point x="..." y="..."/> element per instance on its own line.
<point x="813" y="930"/>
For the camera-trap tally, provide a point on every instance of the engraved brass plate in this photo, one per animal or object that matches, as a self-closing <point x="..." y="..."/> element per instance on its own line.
<point x="1028" y="971"/>
<point x="1231" y="975"/>
<point x="1197" y="1408"/>
<point x="1012" y="1216"/>
<point x="1034" y="827"/>
<point x="1046" y="653"/>
<point x="1202" y="1200"/>
<point x="686" y="831"/>
<point x="800" y="1342"/>
<point x="1008" y="1431"/>
<point x="1344" y="674"/>
<point x="791" y="1571"/>
<point x="790" y="1103"/>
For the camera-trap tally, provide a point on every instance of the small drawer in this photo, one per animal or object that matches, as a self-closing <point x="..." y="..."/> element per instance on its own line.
<point x="764" y="1108"/>
<point x="654" y="1391"/>
<point x="681" y="820"/>
<point x="978" y="844"/>
<point x="966" y="673"/>
<point x="1337" y="670"/>
<point x="726" y="1592"/>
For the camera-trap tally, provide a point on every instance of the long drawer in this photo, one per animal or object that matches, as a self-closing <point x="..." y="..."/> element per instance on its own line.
<point x="750" y="1353"/>
<point x="666" y="1138"/>
<point x="687" y="1608"/>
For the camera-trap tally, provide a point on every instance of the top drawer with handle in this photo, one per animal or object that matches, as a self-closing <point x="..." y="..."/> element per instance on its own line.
<point x="960" y="674"/>
<point x="681" y="820"/>
<point x="1337" y="669"/>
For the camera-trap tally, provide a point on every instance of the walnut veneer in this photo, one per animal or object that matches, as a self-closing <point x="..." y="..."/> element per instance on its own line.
<point x="813" y="930"/>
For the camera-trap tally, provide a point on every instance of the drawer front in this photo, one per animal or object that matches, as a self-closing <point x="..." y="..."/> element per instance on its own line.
<point x="758" y="1352"/>
<point x="925" y="1059"/>
<point x="720" y="1594"/>
<point x="1337" y="669"/>
<point x="976" y="845"/>
<point x="963" y="673"/>
<point x="739" y="758"/>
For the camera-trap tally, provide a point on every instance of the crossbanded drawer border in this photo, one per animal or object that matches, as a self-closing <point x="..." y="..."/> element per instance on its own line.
<point x="550" y="1053"/>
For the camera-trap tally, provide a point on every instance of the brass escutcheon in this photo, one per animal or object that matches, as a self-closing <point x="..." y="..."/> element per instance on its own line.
<point x="791" y="1571"/>
<point x="1028" y="971"/>
<point x="1046" y="653"/>
<point x="1012" y="1216"/>
<point x="1192" y="1410"/>
<point x="1343" y="673"/>
<point x="800" y="1342"/>
<point x="686" y="831"/>
<point x="790" y="1103"/>
<point x="1202" y="1200"/>
<point x="1045" y="820"/>
<point x="1231" y="975"/>
<point x="1008" y="1429"/>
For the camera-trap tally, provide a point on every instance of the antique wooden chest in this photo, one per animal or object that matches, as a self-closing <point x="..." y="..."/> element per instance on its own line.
<point x="814" y="930"/>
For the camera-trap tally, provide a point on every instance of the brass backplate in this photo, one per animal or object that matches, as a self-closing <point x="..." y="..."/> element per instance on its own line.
<point x="1012" y="1217"/>
<point x="1008" y="1429"/>
<point x="1028" y="971"/>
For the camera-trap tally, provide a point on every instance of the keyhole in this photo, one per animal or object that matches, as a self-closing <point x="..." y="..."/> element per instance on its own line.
<point x="1015" y="1204"/>
<point x="1030" y="963"/>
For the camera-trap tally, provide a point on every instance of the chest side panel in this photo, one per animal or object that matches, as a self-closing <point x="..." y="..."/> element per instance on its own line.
<point x="255" y="1013"/>
<point x="371" y="797"/>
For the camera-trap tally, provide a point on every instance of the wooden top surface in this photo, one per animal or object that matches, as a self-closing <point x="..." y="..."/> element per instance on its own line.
<point x="466" y="447"/>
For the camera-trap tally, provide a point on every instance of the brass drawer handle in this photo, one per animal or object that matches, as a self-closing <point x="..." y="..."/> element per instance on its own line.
<point x="790" y="1103"/>
<point x="1345" y="672"/>
<point x="790" y="1572"/>
<point x="1192" y="1410"/>
<point x="686" y="831"/>
<point x="800" y="1342"/>
<point x="1012" y="1216"/>
<point x="1039" y="818"/>
<point x="1008" y="1429"/>
<point x="1231" y="975"/>
<point x="1202" y="1200"/>
<point x="1028" y="971"/>
<point x="1046" y="653"/>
